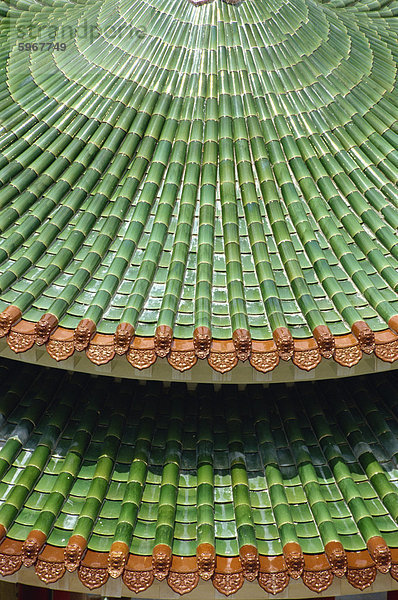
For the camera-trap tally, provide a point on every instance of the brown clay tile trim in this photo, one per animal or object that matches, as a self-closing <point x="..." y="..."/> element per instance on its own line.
<point x="393" y="323"/>
<point x="182" y="354"/>
<point x="304" y="345"/>
<point x="26" y="327"/>
<point x="394" y="555"/>
<point x="348" y="350"/>
<point x="359" y="560"/>
<point x="138" y="581"/>
<point x="136" y="562"/>
<point x="226" y="564"/>
<point x="202" y="341"/>
<point x="223" y="361"/>
<point x="222" y="355"/>
<point x="92" y="577"/>
<point x="364" y="335"/>
<point x="316" y="562"/>
<point x="138" y="575"/>
<point x="243" y="343"/>
<point x="250" y="562"/>
<point x="183" y="573"/>
<point x="182" y="345"/>
<point x="361" y="569"/>
<point x="95" y="559"/>
<point x="9" y="546"/>
<point x="263" y="346"/>
<point x="61" y="334"/>
<point x="163" y="340"/>
<point x="50" y="565"/>
<point x="52" y="554"/>
<point x="361" y="578"/>
<point x="272" y="564"/>
<point x="294" y="559"/>
<point x="264" y="355"/>
<point x="60" y="345"/>
<point x="345" y="341"/>
<point x="122" y="338"/>
<point x="161" y="561"/>
<point x="21" y="336"/>
<point x="284" y="342"/>
<point x="142" y="343"/>
<point x="222" y="346"/>
<point x="117" y="559"/>
<point x="318" y="581"/>
<point x="206" y="560"/>
<point x="74" y="552"/>
<point x="386" y="345"/>
<point x="228" y="583"/>
<point x="9" y="317"/>
<point x="44" y="328"/>
<point x="317" y="574"/>
<point x="32" y="546"/>
<point x="49" y="572"/>
<point x="337" y="558"/>
<point x="141" y="353"/>
<point x="101" y="349"/>
<point x="325" y="340"/>
<point x="93" y="569"/>
<point x="274" y="583"/>
<point x="183" y="583"/>
<point x="10" y="557"/>
<point x="101" y="339"/>
<point x="183" y="564"/>
<point x="306" y="354"/>
<point x="380" y="553"/>
<point x="386" y="336"/>
<point x="84" y="333"/>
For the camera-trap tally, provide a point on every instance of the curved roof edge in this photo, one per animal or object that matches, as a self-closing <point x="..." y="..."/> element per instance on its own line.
<point x="231" y="358"/>
<point x="183" y="574"/>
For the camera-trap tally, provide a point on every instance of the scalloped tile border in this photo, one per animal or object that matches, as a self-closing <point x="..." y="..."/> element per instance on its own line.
<point x="223" y="355"/>
<point x="228" y="574"/>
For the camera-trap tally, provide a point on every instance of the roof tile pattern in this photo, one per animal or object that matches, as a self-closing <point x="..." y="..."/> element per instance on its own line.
<point x="144" y="482"/>
<point x="191" y="173"/>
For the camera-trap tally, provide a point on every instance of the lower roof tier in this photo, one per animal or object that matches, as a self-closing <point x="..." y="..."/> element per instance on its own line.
<point x="114" y="478"/>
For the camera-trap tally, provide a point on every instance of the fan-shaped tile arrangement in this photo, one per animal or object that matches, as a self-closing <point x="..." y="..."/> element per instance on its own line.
<point x="116" y="479"/>
<point x="214" y="181"/>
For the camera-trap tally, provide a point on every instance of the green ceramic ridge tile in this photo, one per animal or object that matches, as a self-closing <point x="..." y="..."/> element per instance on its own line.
<point x="319" y="514"/>
<point x="206" y="507"/>
<point x="137" y="476"/>
<point x="98" y="485"/>
<point x="239" y="475"/>
<point x="170" y="471"/>
<point x="68" y="472"/>
<point x="343" y="476"/>
<point x="29" y="476"/>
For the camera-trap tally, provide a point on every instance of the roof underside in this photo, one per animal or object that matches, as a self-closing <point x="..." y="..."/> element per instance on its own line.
<point x="145" y="482"/>
<point x="200" y="181"/>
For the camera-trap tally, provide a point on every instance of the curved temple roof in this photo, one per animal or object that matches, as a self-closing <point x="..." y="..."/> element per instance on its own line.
<point x="149" y="483"/>
<point x="209" y="181"/>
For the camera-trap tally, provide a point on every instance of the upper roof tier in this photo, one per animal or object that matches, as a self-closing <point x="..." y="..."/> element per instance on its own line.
<point x="209" y="181"/>
<point x="286" y="485"/>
